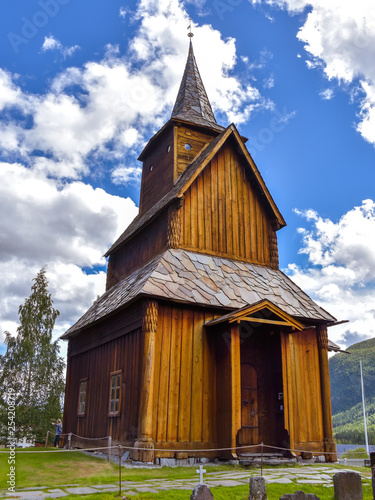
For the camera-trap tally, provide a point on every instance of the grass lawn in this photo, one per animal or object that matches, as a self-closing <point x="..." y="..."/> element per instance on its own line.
<point x="60" y="468"/>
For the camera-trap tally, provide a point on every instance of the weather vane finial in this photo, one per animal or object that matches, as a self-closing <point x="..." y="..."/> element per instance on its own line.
<point x="190" y="34"/>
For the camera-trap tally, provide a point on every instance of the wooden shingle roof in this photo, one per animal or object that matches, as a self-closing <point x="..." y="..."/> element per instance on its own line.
<point x="193" y="278"/>
<point x="192" y="103"/>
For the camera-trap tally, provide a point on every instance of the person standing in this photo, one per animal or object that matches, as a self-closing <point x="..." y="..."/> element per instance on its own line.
<point x="58" y="425"/>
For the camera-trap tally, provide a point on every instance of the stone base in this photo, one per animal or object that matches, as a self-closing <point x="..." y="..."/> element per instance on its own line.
<point x="146" y="452"/>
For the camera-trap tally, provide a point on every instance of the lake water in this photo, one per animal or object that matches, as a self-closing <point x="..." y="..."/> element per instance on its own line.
<point x="341" y="448"/>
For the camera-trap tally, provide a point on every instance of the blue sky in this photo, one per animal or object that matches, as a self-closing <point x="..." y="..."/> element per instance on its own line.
<point x="83" y="86"/>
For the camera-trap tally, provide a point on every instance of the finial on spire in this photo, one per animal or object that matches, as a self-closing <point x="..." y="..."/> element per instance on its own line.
<point x="190" y="34"/>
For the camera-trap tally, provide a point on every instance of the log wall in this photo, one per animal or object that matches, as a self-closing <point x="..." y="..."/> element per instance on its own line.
<point x="223" y="213"/>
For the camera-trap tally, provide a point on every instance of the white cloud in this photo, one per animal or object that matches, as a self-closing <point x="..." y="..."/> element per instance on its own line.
<point x="123" y="12"/>
<point x="50" y="43"/>
<point x="341" y="277"/>
<point x="340" y="39"/>
<point x="327" y="94"/>
<point x="66" y="226"/>
<point x="126" y="175"/>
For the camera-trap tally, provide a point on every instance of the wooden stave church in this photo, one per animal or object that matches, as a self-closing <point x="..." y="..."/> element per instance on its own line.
<point x="200" y="342"/>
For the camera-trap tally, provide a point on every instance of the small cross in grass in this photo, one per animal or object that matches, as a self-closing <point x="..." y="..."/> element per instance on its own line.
<point x="201" y="471"/>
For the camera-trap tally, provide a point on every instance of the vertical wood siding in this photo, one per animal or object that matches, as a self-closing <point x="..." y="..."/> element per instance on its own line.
<point x="223" y="213"/>
<point x="302" y="396"/>
<point x="197" y="140"/>
<point x="185" y="387"/>
<point x="158" y="181"/>
<point x="93" y="355"/>
<point x="138" y="251"/>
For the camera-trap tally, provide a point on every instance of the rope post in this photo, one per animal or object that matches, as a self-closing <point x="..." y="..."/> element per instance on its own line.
<point x="119" y="468"/>
<point x="261" y="458"/>
<point x="372" y="463"/>
<point x="69" y="441"/>
<point x="46" y="446"/>
<point x="109" y="448"/>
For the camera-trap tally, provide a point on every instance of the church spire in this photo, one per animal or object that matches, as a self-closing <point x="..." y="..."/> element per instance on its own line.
<point x="192" y="103"/>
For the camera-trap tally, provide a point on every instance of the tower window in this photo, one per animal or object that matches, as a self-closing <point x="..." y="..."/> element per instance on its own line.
<point x="187" y="146"/>
<point x="151" y="168"/>
<point x="168" y="148"/>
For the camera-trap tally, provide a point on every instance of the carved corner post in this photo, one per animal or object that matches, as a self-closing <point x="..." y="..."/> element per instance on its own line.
<point x="145" y="440"/>
<point x="235" y="371"/>
<point x="329" y="443"/>
<point x="274" y="250"/>
<point x="174" y="225"/>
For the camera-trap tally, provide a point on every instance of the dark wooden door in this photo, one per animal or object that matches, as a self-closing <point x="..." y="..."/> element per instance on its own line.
<point x="249" y="405"/>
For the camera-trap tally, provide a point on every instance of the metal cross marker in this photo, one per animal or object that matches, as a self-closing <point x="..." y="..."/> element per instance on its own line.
<point x="201" y="471"/>
<point x="190" y="34"/>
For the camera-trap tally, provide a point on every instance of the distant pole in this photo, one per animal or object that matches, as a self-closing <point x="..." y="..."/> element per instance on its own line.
<point x="364" y="408"/>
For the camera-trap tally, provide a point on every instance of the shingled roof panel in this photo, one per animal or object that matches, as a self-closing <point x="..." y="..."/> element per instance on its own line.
<point x="218" y="287"/>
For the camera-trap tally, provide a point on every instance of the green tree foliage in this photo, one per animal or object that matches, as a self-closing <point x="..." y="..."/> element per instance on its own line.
<point x="347" y="396"/>
<point x="32" y="367"/>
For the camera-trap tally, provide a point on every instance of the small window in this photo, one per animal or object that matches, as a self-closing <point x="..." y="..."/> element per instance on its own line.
<point x="82" y="397"/>
<point x="168" y="148"/>
<point x="151" y="168"/>
<point x="187" y="146"/>
<point x="115" y="395"/>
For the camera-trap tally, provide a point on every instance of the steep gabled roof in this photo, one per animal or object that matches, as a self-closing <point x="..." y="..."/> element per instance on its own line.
<point x="193" y="278"/>
<point x="192" y="104"/>
<point x="191" y="173"/>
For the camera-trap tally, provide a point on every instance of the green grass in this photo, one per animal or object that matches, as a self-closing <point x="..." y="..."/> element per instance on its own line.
<point x="356" y="453"/>
<point x="54" y="469"/>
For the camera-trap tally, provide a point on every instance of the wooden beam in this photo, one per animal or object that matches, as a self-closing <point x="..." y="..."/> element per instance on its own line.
<point x="235" y="368"/>
<point x="261" y="320"/>
<point x="329" y="443"/>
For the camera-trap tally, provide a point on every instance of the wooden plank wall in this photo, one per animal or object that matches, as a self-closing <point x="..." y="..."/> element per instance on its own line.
<point x="185" y="387"/>
<point x="223" y="214"/>
<point x="158" y="181"/>
<point x="94" y="354"/>
<point x="302" y="397"/>
<point x="196" y="139"/>
<point x="151" y="241"/>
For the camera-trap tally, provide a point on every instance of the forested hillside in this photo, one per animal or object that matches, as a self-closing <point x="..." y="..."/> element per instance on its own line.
<point x="346" y="392"/>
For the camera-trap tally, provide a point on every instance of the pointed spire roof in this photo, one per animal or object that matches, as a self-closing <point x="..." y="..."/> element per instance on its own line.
<point x="192" y="103"/>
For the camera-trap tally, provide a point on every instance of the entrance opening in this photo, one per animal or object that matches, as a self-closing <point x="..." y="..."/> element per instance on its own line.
<point x="248" y="433"/>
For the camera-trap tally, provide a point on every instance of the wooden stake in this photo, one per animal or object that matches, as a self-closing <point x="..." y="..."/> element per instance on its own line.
<point x="119" y="468"/>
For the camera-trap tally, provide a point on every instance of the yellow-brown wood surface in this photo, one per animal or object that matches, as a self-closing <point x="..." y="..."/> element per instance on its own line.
<point x="184" y="380"/>
<point x="302" y="397"/>
<point x="223" y="213"/>
<point x="195" y="139"/>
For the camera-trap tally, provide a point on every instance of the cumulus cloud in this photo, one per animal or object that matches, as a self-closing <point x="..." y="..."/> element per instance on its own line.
<point x="50" y="43"/>
<point x="340" y="40"/>
<point x="340" y="276"/>
<point x="66" y="226"/>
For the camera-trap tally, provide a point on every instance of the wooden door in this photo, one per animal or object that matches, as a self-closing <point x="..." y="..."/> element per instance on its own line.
<point x="248" y="433"/>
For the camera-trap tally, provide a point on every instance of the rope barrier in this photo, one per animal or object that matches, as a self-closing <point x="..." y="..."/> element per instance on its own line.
<point x="170" y="450"/>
